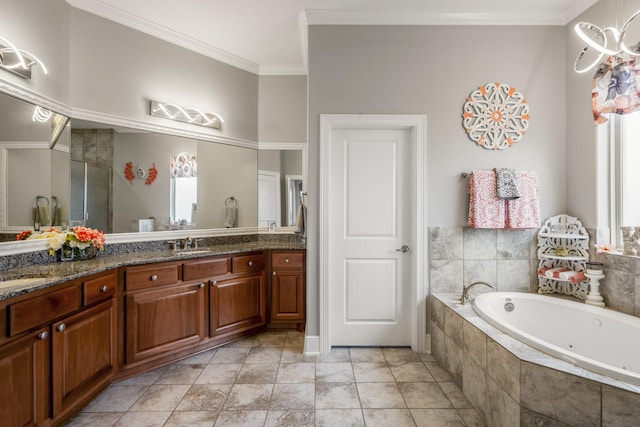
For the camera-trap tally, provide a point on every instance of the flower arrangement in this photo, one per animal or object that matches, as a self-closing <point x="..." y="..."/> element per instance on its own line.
<point x="79" y="240"/>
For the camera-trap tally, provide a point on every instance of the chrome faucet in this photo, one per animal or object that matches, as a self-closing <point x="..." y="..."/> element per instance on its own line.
<point x="465" y="298"/>
<point x="186" y="243"/>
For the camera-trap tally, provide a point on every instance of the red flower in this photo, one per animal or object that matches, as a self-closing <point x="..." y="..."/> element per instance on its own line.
<point x="24" y="235"/>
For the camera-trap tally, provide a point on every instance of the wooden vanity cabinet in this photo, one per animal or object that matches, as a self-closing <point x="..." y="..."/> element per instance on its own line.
<point x="162" y="313"/>
<point x="24" y="369"/>
<point x="65" y="357"/>
<point x="287" y="290"/>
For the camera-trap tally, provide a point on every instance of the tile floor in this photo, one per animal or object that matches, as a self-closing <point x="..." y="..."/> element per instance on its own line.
<point x="267" y="381"/>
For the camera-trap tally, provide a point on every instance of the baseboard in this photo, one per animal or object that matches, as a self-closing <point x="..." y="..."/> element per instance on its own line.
<point x="312" y="345"/>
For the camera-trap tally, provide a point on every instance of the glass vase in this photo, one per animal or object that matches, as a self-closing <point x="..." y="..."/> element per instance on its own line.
<point x="65" y="253"/>
<point x="86" y="253"/>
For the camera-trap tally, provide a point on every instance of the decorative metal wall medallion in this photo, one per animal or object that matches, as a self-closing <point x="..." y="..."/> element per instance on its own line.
<point x="495" y="116"/>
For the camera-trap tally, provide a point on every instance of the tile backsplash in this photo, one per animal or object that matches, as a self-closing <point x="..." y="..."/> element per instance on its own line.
<point x="462" y="255"/>
<point x="507" y="258"/>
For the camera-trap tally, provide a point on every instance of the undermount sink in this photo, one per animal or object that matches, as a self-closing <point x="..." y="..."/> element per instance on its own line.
<point x="21" y="282"/>
<point x="196" y="251"/>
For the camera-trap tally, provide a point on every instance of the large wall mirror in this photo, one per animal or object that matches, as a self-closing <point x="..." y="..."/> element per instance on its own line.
<point x="124" y="180"/>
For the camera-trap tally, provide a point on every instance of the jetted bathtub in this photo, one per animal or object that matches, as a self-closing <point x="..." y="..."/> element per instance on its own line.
<point x="598" y="339"/>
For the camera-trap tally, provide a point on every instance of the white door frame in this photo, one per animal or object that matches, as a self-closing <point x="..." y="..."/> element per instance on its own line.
<point x="417" y="124"/>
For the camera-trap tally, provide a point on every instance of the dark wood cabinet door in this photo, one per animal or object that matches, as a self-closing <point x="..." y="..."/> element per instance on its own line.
<point x="237" y="304"/>
<point x="83" y="355"/>
<point x="287" y="295"/>
<point x="24" y="375"/>
<point x="158" y="321"/>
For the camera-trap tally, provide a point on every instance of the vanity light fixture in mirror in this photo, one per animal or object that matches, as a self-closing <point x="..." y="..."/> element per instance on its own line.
<point x="16" y="60"/>
<point x="187" y="115"/>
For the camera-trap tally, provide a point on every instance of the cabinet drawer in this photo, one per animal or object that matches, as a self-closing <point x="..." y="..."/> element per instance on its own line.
<point x="40" y="310"/>
<point x="206" y="269"/>
<point x="99" y="289"/>
<point x="287" y="260"/>
<point x="140" y="278"/>
<point x="248" y="263"/>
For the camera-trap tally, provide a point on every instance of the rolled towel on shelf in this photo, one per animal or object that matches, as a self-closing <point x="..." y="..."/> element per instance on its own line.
<point x="543" y="270"/>
<point x="573" y="276"/>
<point x="551" y="273"/>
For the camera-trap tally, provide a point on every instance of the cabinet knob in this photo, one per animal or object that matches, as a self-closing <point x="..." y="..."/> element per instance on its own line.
<point x="286" y="261"/>
<point x="274" y="273"/>
<point x="43" y="335"/>
<point x="201" y="285"/>
<point x="250" y="263"/>
<point x="214" y="283"/>
<point x="103" y="288"/>
<point x="154" y="278"/>
<point x="61" y="327"/>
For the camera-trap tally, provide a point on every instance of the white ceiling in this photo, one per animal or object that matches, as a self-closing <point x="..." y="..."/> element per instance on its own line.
<point x="268" y="37"/>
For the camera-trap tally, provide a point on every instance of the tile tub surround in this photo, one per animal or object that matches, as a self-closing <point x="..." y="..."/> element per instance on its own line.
<point x="512" y="384"/>
<point x="461" y="255"/>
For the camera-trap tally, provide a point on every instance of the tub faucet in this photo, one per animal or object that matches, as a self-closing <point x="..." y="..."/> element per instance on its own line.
<point x="465" y="298"/>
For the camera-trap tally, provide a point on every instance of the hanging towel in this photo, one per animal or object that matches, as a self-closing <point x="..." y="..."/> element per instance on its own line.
<point x="486" y="210"/>
<point x="525" y="211"/>
<point x="300" y="227"/>
<point x="231" y="212"/>
<point x="507" y="184"/>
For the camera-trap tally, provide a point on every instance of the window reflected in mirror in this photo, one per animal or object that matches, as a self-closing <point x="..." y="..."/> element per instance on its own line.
<point x="184" y="189"/>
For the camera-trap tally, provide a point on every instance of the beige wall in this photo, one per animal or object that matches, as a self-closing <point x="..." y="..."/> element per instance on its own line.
<point x="282" y="109"/>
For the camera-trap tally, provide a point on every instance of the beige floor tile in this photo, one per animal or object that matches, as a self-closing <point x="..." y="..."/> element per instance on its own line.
<point x="295" y="355"/>
<point x="438" y="373"/>
<point x="221" y="373"/>
<point x="258" y="373"/>
<point x="366" y="354"/>
<point x="294" y="340"/>
<point x="160" y="397"/>
<point x="336" y="355"/>
<point x="192" y="419"/>
<point x="230" y="355"/>
<point x="334" y="373"/>
<point x="401" y="354"/>
<point x="241" y="419"/>
<point x="249" y="397"/>
<point x="296" y="373"/>
<point x="380" y="395"/>
<point x="116" y="398"/>
<point x="290" y="418"/>
<point x="388" y="418"/>
<point x="146" y="378"/>
<point x="99" y="419"/>
<point x="198" y="359"/>
<point x="339" y="417"/>
<point x="337" y="396"/>
<point x="293" y="396"/>
<point x="407" y="372"/>
<point x="455" y="395"/>
<point x="264" y="355"/>
<point x="180" y="374"/>
<point x="275" y="339"/>
<point x="374" y="372"/>
<point x="243" y="342"/>
<point x="426" y="357"/>
<point x="472" y="417"/>
<point x="205" y="397"/>
<point x="424" y="395"/>
<point x="143" y="419"/>
<point x="437" y="418"/>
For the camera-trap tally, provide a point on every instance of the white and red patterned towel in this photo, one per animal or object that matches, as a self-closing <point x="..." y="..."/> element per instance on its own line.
<point x="486" y="210"/>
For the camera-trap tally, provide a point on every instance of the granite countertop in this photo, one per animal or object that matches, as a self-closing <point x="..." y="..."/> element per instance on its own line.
<point x="59" y="272"/>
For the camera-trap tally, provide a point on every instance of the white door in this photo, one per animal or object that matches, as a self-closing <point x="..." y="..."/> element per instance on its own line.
<point x="268" y="198"/>
<point x="370" y="223"/>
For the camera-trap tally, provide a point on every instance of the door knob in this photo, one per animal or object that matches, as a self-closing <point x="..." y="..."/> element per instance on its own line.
<point x="403" y="249"/>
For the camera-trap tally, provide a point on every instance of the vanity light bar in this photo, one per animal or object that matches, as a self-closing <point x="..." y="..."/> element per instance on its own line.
<point x="187" y="115"/>
<point x="18" y="61"/>
<point x="41" y="115"/>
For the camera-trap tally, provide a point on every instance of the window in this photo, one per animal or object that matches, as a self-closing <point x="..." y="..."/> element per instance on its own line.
<point x="624" y="173"/>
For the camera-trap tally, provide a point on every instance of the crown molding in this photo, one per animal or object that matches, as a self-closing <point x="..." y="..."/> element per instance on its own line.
<point x="96" y="7"/>
<point x="34" y="98"/>
<point x="353" y="17"/>
<point x="114" y="120"/>
<point x="283" y="70"/>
